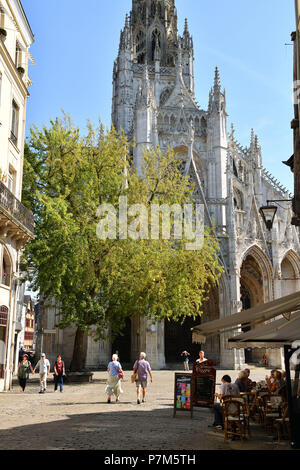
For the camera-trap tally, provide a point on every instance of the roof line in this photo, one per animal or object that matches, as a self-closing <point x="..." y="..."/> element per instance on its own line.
<point x="25" y="16"/>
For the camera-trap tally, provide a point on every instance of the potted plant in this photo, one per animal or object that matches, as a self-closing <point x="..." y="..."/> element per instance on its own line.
<point x="3" y="34"/>
<point x="21" y="70"/>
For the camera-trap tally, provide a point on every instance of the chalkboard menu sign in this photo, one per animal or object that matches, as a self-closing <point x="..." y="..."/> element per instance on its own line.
<point x="204" y="384"/>
<point x="183" y="393"/>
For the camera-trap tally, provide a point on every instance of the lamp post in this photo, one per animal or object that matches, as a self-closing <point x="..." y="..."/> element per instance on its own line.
<point x="269" y="211"/>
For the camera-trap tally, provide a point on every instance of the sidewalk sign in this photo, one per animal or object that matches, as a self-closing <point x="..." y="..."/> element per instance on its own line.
<point x="204" y="384"/>
<point x="183" y="394"/>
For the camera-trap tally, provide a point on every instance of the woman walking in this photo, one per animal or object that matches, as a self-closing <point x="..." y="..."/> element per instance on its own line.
<point x="23" y="372"/>
<point x="59" y="372"/>
<point x="113" y="386"/>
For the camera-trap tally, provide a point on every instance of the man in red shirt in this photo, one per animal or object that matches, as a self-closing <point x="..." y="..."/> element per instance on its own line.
<point x="59" y="372"/>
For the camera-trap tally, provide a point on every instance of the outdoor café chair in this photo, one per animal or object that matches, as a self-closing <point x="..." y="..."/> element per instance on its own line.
<point x="282" y="423"/>
<point x="234" y="419"/>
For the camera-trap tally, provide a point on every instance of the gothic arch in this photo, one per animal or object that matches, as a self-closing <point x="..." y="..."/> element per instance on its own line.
<point x="265" y="266"/>
<point x="294" y="259"/>
<point x="256" y="288"/>
<point x="290" y="270"/>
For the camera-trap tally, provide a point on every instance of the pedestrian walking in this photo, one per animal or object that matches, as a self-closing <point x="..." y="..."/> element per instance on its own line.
<point x="113" y="386"/>
<point x="22" y="351"/>
<point x="44" y="370"/>
<point x="59" y="373"/>
<point x="185" y="355"/>
<point x="23" y="372"/>
<point x="141" y="368"/>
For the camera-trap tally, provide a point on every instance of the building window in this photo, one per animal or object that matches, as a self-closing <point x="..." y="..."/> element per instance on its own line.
<point x="18" y="58"/>
<point x="11" y="180"/>
<point x="3" y="326"/>
<point x="6" y="269"/>
<point x="14" y="123"/>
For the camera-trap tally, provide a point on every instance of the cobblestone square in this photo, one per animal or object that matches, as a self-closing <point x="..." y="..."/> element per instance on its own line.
<point x="80" y="419"/>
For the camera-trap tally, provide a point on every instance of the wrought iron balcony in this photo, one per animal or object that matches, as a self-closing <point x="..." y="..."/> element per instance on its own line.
<point x="15" y="220"/>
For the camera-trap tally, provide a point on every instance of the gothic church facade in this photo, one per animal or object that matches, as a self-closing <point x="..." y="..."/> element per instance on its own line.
<point x="154" y="102"/>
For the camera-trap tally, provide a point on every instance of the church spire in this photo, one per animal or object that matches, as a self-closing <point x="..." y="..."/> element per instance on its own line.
<point x="217" y="98"/>
<point x="217" y="82"/>
<point x="154" y="22"/>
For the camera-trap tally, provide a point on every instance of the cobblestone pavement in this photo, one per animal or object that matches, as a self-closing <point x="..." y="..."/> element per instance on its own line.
<point x="80" y="419"/>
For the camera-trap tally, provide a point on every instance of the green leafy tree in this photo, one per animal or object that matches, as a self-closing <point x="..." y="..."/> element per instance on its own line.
<point x="101" y="282"/>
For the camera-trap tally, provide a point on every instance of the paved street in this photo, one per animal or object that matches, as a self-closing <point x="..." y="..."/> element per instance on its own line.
<point x="80" y="418"/>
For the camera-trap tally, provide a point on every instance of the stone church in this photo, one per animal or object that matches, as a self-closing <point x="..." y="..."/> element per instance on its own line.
<point x="154" y="102"/>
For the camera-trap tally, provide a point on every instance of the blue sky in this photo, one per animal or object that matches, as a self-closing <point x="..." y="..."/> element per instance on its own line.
<point x="76" y="43"/>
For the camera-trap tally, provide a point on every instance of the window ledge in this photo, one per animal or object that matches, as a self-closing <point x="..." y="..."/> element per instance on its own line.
<point x="14" y="145"/>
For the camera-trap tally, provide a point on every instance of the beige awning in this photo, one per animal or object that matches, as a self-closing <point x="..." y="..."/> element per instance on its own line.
<point x="252" y="317"/>
<point x="274" y="335"/>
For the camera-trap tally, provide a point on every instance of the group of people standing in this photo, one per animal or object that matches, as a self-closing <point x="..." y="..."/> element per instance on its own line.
<point x="141" y="370"/>
<point x="43" y="366"/>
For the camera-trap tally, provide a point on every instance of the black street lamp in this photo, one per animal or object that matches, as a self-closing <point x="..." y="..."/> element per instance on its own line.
<point x="268" y="212"/>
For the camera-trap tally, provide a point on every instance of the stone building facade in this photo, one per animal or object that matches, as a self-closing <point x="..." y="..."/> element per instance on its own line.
<point x="155" y="104"/>
<point x="16" y="222"/>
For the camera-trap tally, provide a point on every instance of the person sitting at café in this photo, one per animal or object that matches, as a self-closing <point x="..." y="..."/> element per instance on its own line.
<point x="272" y="377"/>
<point x="249" y="384"/>
<point x="227" y="389"/>
<point x="277" y="387"/>
<point x="241" y="381"/>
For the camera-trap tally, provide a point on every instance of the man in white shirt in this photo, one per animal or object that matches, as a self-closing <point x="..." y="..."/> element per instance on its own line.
<point x="44" y="369"/>
<point x="201" y="357"/>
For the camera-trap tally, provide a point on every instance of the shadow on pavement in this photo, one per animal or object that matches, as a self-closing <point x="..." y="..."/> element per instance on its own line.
<point x="128" y="430"/>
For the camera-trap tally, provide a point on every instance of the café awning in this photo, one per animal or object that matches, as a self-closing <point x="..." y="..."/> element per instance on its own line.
<point x="252" y="317"/>
<point x="274" y="335"/>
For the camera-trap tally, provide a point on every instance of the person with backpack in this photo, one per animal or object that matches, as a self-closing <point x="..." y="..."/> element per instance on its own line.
<point x="113" y="386"/>
<point x="23" y="372"/>
<point x="59" y="373"/>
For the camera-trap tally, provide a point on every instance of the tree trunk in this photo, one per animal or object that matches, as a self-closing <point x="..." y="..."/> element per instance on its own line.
<point x="79" y="351"/>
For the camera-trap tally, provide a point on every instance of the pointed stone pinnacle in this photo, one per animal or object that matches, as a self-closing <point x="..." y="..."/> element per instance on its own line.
<point x="186" y="26"/>
<point x="217" y="83"/>
<point x="252" y="141"/>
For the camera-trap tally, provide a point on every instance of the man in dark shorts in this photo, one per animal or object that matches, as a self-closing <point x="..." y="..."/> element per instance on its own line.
<point x="142" y="368"/>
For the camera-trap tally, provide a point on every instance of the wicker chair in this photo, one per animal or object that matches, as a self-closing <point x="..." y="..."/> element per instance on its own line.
<point x="261" y="403"/>
<point x="234" y="418"/>
<point x="282" y="423"/>
<point x="272" y="412"/>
